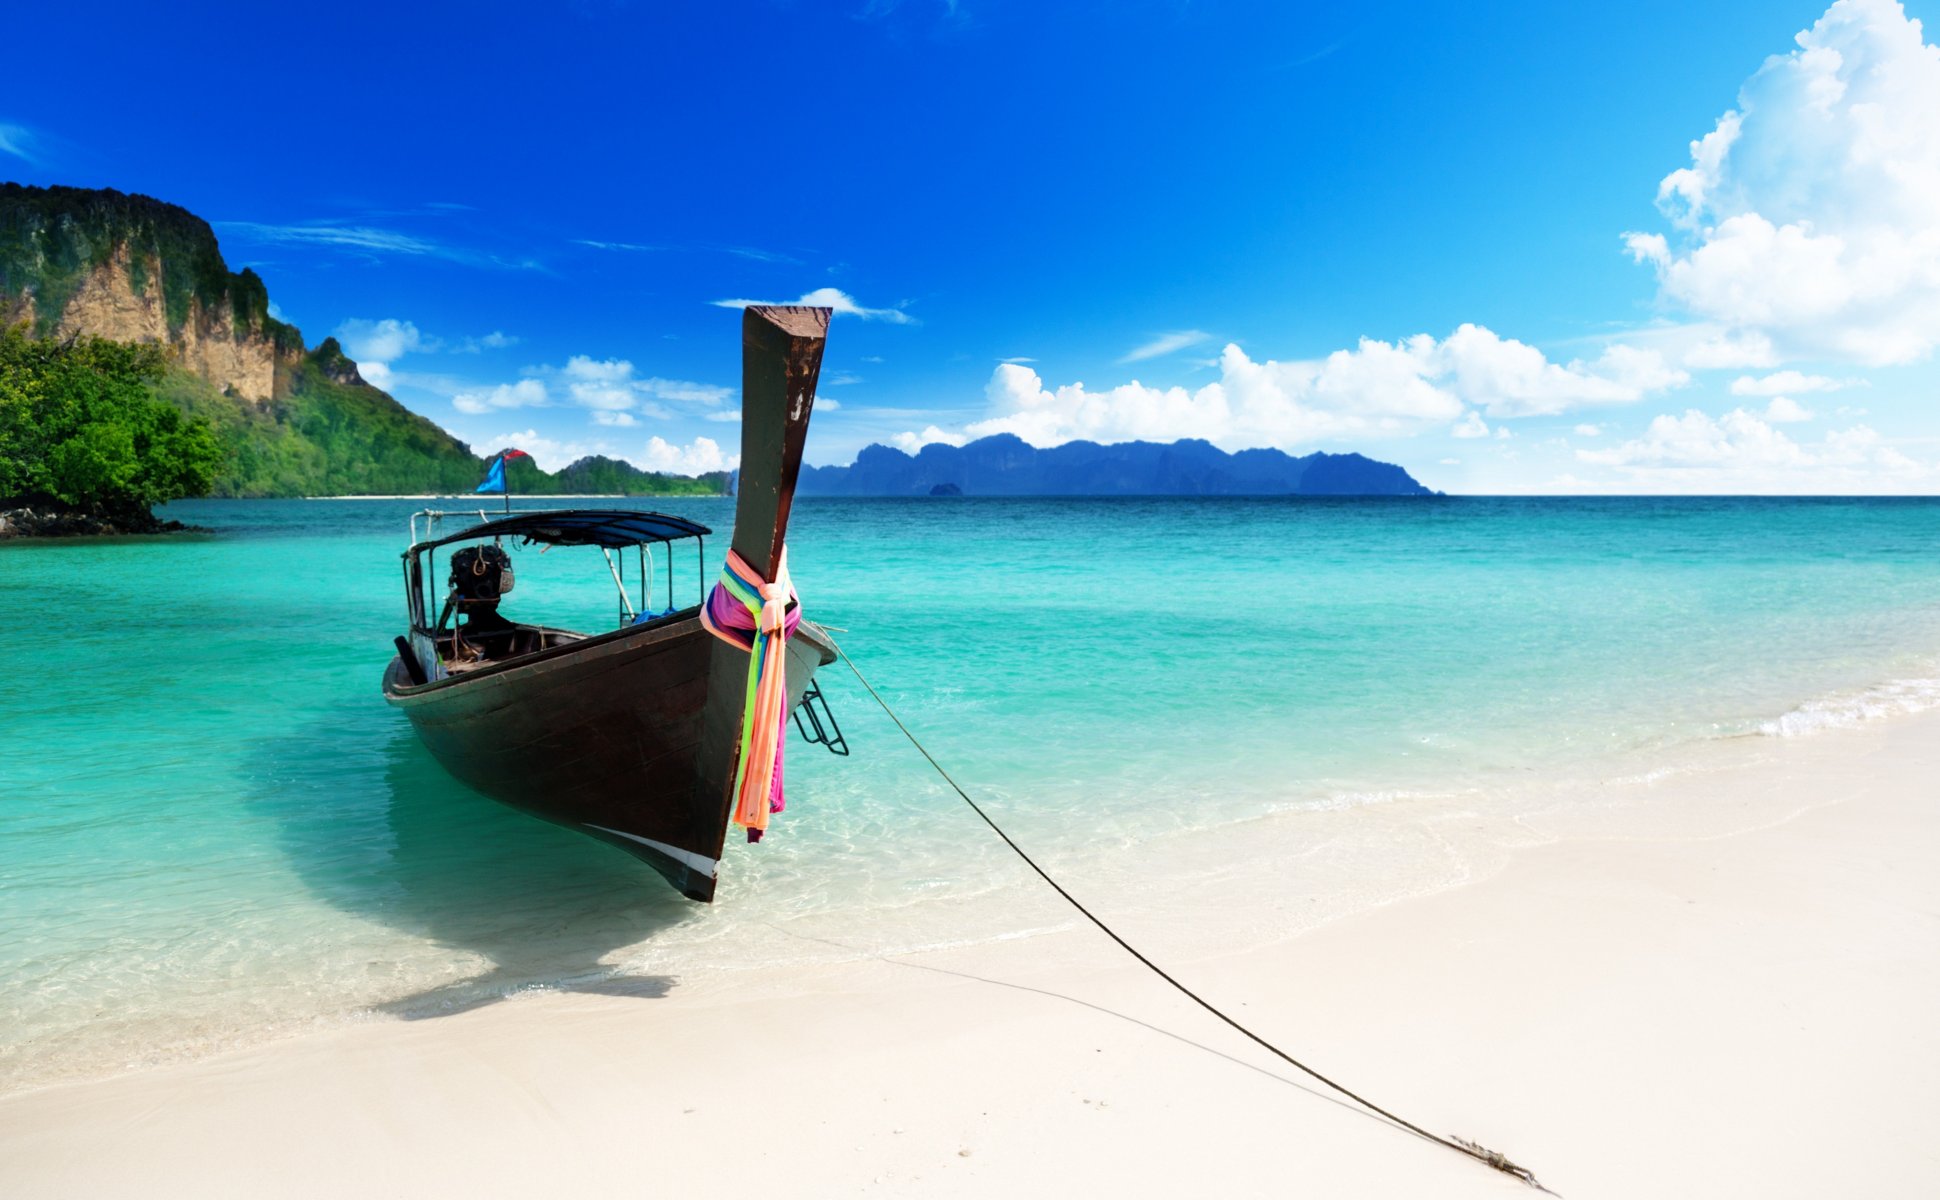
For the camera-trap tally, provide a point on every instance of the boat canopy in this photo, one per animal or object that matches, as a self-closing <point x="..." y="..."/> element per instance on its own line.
<point x="607" y="528"/>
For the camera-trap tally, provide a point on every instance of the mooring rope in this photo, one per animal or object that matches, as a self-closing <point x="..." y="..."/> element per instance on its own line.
<point x="1463" y="1146"/>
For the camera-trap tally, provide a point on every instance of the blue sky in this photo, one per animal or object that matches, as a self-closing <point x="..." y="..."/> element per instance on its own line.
<point x="1471" y="239"/>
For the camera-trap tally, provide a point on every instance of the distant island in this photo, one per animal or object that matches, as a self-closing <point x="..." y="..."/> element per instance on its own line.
<point x="87" y="274"/>
<point x="1007" y="465"/>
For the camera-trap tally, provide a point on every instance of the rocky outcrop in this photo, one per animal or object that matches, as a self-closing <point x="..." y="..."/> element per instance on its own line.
<point x="134" y="269"/>
<point x="57" y="522"/>
<point x="336" y="366"/>
<point x="107" y="304"/>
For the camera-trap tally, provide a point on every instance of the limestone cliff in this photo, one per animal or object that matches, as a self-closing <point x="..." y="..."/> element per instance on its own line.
<point x="135" y="269"/>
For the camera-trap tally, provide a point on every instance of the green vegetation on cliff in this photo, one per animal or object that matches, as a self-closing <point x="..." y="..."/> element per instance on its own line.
<point x="323" y="437"/>
<point x="331" y="434"/>
<point x="80" y="430"/>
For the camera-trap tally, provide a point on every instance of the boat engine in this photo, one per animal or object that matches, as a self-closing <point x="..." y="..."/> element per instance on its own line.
<point x="481" y="573"/>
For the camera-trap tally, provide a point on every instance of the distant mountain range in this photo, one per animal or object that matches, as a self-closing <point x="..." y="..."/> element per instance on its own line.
<point x="1006" y="465"/>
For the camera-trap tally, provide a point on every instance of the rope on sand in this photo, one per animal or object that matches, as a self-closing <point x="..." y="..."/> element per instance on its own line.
<point x="1463" y="1146"/>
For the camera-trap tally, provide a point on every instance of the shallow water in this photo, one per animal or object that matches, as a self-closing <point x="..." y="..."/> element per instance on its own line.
<point x="212" y="828"/>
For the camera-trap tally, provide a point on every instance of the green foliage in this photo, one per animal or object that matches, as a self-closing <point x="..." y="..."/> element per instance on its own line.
<point x="80" y="428"/>
<point x="326" y="437"/>
<point x="52" y="238"/>
<point x="598" y="475"/>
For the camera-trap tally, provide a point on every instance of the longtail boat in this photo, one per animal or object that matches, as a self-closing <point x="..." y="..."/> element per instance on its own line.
<point x="632" y="736"/>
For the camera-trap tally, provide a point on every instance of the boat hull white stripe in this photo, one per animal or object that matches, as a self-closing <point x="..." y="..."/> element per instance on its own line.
<point x="699" y="862"/>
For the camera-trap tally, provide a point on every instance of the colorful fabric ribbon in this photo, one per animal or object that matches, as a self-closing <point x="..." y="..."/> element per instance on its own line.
<point x="746" y="610"/>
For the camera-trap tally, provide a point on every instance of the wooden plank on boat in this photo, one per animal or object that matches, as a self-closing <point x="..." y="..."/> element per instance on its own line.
<point x="781" y="362"/>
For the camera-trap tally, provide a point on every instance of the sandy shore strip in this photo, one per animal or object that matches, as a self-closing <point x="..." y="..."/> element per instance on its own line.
<point x="1720" y="984"/>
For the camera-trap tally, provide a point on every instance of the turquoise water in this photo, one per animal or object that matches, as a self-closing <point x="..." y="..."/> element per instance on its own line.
<point x="213" y="829"/>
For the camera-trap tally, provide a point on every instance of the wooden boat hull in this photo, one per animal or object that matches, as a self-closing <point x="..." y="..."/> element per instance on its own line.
<point x="601" y="735"/>
<point x="634" y="736"/>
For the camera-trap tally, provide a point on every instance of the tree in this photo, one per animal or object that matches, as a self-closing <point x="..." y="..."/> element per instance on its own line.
<point x="79" y="428"/>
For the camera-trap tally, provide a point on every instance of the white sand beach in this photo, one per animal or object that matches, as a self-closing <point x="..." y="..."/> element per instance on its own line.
<point x="1719" y="983"/>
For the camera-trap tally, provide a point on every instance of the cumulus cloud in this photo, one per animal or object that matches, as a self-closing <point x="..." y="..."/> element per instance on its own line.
<point x="1785" y="411"/>
<point x="608" y="385"/>
<point x="1589" y="431"/>
<point x="376" y="345"/>
<point x="600" y="383"/>
<point x="1470" y="426"/>
<point x="701" y="455"/>
<point x="526" y="393"/>
<point x="1378" y="388"/>
<point x="910" y="443"/>
<point x="1741" y="449"/>
<point x="383" y="341"/>
<point x="1808" y="223"/>
<point x="837" y="299"/>
<point x="624" y="420"/>
<point x="1783" y="382"/>
<point x="1165" y="343"/>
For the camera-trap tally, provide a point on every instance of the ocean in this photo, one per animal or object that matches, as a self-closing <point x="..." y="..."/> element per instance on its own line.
<point x="214" y="831"/>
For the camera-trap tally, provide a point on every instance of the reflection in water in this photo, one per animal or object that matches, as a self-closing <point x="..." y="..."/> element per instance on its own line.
<point x="397" y="840"/>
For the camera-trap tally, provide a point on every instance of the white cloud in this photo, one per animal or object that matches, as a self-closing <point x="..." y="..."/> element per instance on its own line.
<point x="1783" y="382"/>
<point x="701" y="455"/>
<point x="726" y="414"/>
<point x="623" y="420"/>
<point x="1715" y="349"/>
<point x="523" y="394"/>
<point x="840" y="301"/>
<point x="1697" y="440"/>
<point x="1376" y="389"/>
<point x="1512" y="379"/>
<point x="1016" y="358"/>
<point x="351" y="237"/>
<point x="1164" y="343"/>
<point x="377" y="374"/>
<point x="18" y="140"/>
<point x="685" y="391"/>
<point x="1589" y="431"/>
<point x="600" y="383"/>
<point x="910" y="443"/>
<point x="1741" y="451"/>
<point x="1786" y="410"/>
<point x="1809" y="219"/>
<point x="1470" y="426"/>
<point x="495" y="340"/>
<point x="608" y="385"/>
<point x="383" y="341"/>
